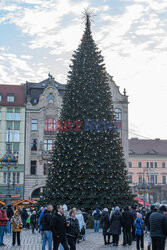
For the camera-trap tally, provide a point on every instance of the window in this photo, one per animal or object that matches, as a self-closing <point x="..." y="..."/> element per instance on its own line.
<point x="10" y="98"/>
<point x="0" y="97"/>
<point x="16" y="178"/>
<point x="139" y="164"/>
<point x="147" y="164"/>
<point x="6" y="178"/>
<point x="130" y="164"/>
<point x="34" y="124"/>
<point x="34" y="145"/>
<point x="45" y="169"/>
<point x="152" y="179"/>
<point x="35" y="101"/>
<point x="151" y="165"/>
<point x="163" y="164"/>
<point x="16" y="135"/>
<point x="9" y="125"/>
<point x="130" y="178"/>
<point x="50" y="125"/>
<point x="164" y="179"/>
<point x="16" y="125"/>
<point x="50" y="97"/>
<point x="9" y="135"/>
<point x="33" y="167"/>
<point x="155" y="164"/>
<point x="9" y="114"/>
<point x="118" y="114"/>
<point x="15" y="147"/>
<point x="17" y="115"/>
<point x="140" y="178"/>
<point x="48" y="145"/>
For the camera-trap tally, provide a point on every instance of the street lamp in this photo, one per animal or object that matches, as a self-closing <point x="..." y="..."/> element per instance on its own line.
<point x="7" y="161"/>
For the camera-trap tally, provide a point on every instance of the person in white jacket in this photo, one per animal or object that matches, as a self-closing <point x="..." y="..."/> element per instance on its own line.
<point x="80" y="218"/>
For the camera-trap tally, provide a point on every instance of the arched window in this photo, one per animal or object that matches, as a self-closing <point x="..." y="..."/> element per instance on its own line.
<point x="36" y="193"/>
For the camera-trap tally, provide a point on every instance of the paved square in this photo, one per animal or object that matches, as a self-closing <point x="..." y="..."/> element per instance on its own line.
<point x="94" y="241"/>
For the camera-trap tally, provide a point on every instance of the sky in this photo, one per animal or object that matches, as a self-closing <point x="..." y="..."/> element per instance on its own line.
<point x="39" y="36"/>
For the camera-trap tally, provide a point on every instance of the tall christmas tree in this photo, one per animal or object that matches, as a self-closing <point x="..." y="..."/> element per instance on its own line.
<point x="88" y="167"/>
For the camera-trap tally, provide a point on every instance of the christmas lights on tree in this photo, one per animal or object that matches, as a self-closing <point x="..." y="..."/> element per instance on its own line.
<point x="88" y="167"/>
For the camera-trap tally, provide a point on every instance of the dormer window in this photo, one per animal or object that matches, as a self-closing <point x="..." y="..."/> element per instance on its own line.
<point x="35" y="101"/>
<point x="50" y="97"/>
<point x="10" y="98"/>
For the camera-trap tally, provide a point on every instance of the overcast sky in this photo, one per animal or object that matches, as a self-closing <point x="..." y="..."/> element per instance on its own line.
<point x="39" y="36"/>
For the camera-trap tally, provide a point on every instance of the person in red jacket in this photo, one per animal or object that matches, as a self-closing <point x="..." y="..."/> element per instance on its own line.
<point x="3" y="222"/>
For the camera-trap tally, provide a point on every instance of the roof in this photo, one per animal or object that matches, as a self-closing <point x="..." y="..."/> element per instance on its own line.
<point x="16" y="90"/>
<point x="20" y="202"/>
<point x="34" y="90"/>
<point x="147" y="147"/>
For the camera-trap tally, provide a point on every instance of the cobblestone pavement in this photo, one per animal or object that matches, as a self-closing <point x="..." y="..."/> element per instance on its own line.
<point x="94" y="241"/>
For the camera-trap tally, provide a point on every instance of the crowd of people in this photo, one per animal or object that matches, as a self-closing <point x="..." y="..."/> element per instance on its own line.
<point x="135" y="224"/>
<point x="64" y="229"/>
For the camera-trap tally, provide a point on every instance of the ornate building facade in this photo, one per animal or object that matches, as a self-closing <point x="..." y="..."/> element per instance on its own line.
<point x="43" y="104"/>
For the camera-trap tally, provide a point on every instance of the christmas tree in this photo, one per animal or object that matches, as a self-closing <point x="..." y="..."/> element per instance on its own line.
<point x="88" y="167"/>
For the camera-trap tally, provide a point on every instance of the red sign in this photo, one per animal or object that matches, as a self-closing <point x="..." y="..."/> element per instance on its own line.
<point x="15" y="196"/>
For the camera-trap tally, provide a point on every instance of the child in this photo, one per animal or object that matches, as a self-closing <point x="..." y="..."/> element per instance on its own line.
<point x="139" y="230"/>
<point x="16" y="227"/>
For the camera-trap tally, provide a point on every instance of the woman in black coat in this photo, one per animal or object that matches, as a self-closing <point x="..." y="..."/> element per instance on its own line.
<point x="106" y="225"/>
<point x="72" y="229"/>
<point x="115" y="226"/>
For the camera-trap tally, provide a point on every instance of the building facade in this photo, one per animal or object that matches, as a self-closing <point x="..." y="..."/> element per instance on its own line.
<point x="12" y="138"/>
<point x="148" y="165"/>
<point x="43" y="105"/>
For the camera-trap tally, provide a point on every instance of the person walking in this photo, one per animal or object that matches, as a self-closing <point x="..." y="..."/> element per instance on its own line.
<point x="96" y="214"/>
<point x="158" y="228"/>
<point x="80" y="218"/>
<point x="33" y="221"/>
<point x="3" y="223"/>
<point x="85" y="216"/>
<point x="134" y="213"/>
<point x="47" y="227"/>
<point x="106" y="225"/>
<point x="115" y="226"/>
<point x="139" y="231"/>
<point x="10" y="213"/>
<point x="147" y="223"/>
<point x="59" y="226"/>
<point x="127" y="222"/>
<point x="16" y="227"/>
<point x="24" y="216"/>
<point x="73" y="229"/>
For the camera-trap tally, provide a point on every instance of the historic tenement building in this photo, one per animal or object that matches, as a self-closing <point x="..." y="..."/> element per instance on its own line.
<point x="148" y="169"/>
<point x="43" y="104"/>
<point x="12" y="140"/>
